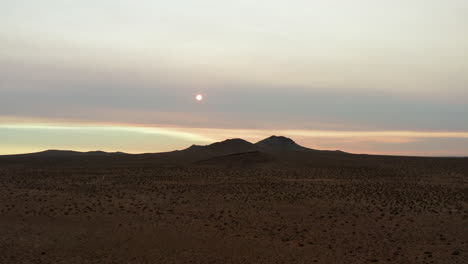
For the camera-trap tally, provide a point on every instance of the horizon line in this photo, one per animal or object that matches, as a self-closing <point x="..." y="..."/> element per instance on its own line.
<point x="140" y="139"/>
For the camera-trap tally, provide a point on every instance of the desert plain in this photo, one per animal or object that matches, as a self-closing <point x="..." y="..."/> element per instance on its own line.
<point x="233" y="202"/>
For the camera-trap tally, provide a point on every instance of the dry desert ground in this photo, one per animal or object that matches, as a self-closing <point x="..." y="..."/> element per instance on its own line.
<point x="243" y="208"/>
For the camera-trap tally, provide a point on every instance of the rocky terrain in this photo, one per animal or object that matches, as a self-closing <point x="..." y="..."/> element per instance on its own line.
<point x="233" y="202"/>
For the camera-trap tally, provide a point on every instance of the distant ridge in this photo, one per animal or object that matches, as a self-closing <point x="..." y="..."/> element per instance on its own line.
<point x="222" y="148"/>
<point x="62" y="153"/>
<point x="271" y="152"/>
<point x="230" y="152"/>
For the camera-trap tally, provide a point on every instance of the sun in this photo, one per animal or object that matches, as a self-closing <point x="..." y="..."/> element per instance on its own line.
<point x="199" y="97"/>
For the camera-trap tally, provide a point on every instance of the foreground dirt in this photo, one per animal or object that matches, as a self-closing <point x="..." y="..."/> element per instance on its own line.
<point x="397" y="214"/>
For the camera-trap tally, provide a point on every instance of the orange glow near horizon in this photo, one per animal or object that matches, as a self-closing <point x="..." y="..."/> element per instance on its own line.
<point x="181" y="137"/>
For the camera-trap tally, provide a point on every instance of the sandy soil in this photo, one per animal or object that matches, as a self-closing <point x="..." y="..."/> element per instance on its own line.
<point x="378" y="212"/>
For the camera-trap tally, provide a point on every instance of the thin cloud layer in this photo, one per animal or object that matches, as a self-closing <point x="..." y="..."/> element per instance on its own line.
<point x="311" y="70"/>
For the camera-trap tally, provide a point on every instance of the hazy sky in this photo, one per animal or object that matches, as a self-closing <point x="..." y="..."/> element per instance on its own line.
<point x="367" y="76"/>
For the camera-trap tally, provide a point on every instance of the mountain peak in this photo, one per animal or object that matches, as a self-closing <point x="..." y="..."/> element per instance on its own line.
<point x="226" y="147"/>
<point x="279" y="143"/>
<point x="238" y="140"/>
<point x="279" y="139"/>
<point x="232" y="142"/>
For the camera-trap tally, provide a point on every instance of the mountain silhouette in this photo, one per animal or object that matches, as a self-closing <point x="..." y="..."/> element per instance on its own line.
<point x="237" y="145"/>
<point x="226" y="147"/>
<point x="228" y="153"/>
<point x="272" y="144"/>
<point x="280" y="143"/>
<point x="67" y="153"/>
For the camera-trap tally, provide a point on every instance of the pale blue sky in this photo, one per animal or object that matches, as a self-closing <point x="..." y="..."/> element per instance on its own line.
<point x="366" y="65"/>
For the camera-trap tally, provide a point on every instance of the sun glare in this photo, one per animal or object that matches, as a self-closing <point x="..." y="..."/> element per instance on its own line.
<point x="199" y="97"/>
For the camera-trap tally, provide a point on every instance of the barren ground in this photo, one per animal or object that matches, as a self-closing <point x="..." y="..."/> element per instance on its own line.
<point x="401" y="211"/>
